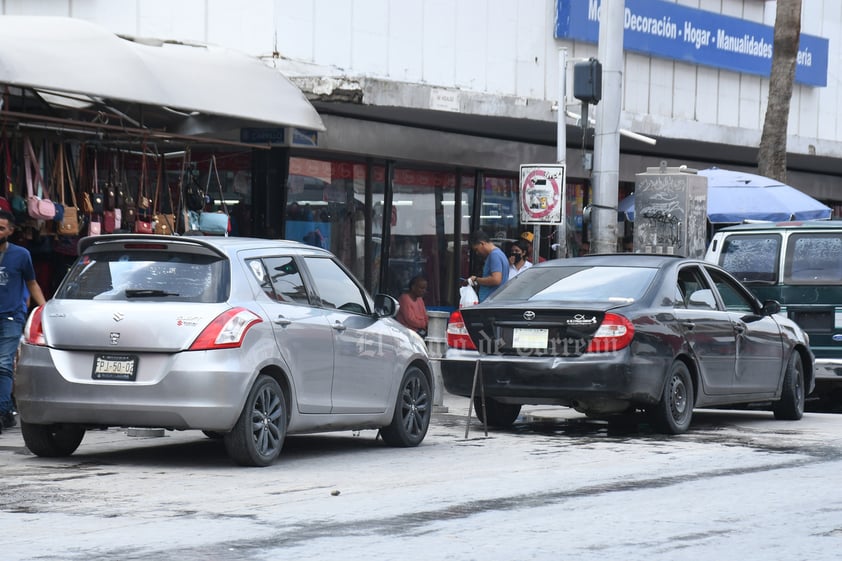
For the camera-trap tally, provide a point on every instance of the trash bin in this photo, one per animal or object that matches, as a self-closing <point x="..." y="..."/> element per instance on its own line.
<point x="436" y="346"/>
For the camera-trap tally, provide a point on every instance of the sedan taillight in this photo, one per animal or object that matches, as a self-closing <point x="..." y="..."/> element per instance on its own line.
<point x="33" y="332"/>
<point x="615" y="333"/>
<point x="457" y="333"/>
<point x="227" y="331"/>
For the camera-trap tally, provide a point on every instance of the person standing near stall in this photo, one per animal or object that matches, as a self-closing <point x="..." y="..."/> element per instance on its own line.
<point x="495" y="271"/>
<point x="517" y="258"/>
<point x="17" y="275"/>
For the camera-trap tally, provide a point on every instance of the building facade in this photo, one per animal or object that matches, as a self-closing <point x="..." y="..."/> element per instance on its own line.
<point x="431" y="107"/>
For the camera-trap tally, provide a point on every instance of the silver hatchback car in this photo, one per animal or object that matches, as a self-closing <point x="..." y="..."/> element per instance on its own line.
<point x="245" y="339"/>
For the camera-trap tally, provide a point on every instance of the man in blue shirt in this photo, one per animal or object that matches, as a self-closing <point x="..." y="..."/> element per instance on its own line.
<point x="16" y="276"/>
<point x="495" y="272"/>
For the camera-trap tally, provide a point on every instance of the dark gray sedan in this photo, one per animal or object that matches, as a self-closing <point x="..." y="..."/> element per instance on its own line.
<point x="247" y="340"/>
<point x="611" y="334"/>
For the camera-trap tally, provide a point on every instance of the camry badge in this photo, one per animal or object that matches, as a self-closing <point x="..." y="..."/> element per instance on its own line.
<point x="529" y="315"/>
<point x="118" y="316"/>
<point x="115" y="337"/>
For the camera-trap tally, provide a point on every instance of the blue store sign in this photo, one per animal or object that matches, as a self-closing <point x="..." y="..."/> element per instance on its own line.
<point x="676" y="32"/>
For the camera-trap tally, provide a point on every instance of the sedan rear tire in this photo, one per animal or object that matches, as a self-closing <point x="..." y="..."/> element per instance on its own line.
<point x="496" y="414"/>
<point x="52" y="441"/>
<point x="412" y="411"/>
<point x="258" y="435"/>
<point x="791" y="405"/>
<point x="672" y="415"/>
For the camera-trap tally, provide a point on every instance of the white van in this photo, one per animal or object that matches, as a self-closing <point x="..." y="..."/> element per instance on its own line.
<point x="799" y="264"/>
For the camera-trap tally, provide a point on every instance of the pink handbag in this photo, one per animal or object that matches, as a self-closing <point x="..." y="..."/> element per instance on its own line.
<point x="39" y="207"/>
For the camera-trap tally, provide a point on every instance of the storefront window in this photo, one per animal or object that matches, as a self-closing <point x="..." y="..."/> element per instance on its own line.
<point x="499" y="216"/>
<point x="422" y="225"/>
<point x="466" y="210"/>
<point x="374" y="251"/>
<point x="326" y="207"/>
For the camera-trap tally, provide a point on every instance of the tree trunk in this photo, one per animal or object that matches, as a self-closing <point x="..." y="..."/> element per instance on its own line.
<point x="771" y="158"/>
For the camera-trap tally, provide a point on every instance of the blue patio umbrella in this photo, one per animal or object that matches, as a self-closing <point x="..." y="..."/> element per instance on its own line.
<point x="735" y="196"/>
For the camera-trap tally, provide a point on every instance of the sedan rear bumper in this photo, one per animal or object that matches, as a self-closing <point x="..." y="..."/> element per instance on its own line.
<point x="588" y="382"/>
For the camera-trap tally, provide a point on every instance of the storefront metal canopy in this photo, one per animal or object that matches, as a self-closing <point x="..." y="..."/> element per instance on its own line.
<point x="71" y="56"/>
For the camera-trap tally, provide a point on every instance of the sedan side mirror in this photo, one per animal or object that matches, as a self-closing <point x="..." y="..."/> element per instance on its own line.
<point x="385" y="306"/>
<point x="771" y="307"/>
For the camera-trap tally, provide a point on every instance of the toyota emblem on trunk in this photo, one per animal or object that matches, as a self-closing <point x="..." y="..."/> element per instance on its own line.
<point x="529" y="315"/>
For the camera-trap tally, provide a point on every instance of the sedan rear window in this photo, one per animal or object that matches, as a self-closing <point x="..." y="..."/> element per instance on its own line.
<point x="147" y="275"/>
<point x="593" y="284"/>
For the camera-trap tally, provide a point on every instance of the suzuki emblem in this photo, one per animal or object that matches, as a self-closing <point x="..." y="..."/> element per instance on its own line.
<point x="117" y="316"/>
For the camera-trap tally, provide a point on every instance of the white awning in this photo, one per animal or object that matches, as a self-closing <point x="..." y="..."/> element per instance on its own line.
<point x="75" y="56"/>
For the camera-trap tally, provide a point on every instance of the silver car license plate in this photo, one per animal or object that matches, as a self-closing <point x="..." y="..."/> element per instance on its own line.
<point x="530" y="338"/>
<point x="115" y="367"/>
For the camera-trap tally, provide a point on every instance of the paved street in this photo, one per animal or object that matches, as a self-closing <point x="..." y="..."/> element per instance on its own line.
<point x="740" y="485"/>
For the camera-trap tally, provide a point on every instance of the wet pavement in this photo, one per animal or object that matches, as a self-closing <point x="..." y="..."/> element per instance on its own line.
<point x="556" y="484"/>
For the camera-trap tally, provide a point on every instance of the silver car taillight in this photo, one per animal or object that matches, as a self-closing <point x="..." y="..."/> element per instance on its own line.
<point x="226" y="331"/>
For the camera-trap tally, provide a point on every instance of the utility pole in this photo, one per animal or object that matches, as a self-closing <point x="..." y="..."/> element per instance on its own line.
<point x="561" y="148"/>
<point x="607" y="132"/>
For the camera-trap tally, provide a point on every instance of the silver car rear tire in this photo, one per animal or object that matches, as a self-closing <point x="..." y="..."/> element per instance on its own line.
<point x="258" y="435"/>
<point x="52" y="441"/>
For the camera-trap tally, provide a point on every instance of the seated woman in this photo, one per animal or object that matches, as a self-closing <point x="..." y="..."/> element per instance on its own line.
<point x="413" y="312"/>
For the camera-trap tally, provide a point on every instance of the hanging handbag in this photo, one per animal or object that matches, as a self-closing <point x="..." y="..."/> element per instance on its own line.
<point x="143" y="227"/>
<point x="142" y="199"/>
<point x="124" y="193"/>
<point x="58" y="183"/>
<point x="69" y="223"/>
<point x="163" y="222"/>
<point x="87" y="204"/>
<point x="97" y="200"/>
<point x="215" y="223"/>
<point x="108" y="221"/>
<point x="94" y="228"/>
<point x="39" y="206"/>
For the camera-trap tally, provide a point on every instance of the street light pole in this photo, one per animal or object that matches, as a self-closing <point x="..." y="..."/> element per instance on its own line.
<point x="607" y="131"/>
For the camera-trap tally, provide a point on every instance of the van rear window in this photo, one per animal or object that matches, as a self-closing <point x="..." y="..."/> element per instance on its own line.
<point x="814" y="258"/>
<point x="752" y="257"/>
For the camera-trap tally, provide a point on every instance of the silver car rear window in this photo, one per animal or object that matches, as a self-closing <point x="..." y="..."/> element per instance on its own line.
<point x="147" y="275"/>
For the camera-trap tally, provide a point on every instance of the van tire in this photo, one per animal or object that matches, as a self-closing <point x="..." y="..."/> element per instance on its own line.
<point x="791" y="405"/>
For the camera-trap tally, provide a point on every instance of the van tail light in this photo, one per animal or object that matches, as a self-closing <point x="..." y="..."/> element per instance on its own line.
<point x="226" y="331"/>
<point x="33" y="332"/>
<point x="457" y="333"/>
<point x="615" y="333"/>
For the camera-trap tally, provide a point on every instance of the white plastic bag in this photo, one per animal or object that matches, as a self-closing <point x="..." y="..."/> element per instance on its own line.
<point x="467" y="296"/>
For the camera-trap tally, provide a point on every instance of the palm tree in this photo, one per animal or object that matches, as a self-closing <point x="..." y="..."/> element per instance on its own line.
<point x="771" y="158"/>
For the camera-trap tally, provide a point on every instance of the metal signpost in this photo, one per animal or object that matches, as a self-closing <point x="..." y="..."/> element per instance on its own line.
<point x="543" y="192"/>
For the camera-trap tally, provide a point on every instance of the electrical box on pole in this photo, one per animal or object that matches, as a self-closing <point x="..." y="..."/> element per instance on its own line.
<point x="587" y="81"/>
<point x="670" y="211"/>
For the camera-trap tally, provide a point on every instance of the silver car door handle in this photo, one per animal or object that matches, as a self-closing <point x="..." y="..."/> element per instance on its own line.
<point x="688" y="325"/>
<point x="740" y="329"/>
<point x="339" y="327"/>
<point x="282" y="321"/>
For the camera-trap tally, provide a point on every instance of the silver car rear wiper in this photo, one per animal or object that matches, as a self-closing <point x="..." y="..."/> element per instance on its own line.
<point x="147" y="292"/>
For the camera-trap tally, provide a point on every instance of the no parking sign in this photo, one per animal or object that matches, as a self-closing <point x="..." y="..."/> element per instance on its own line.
<point x="542" y="193"/>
